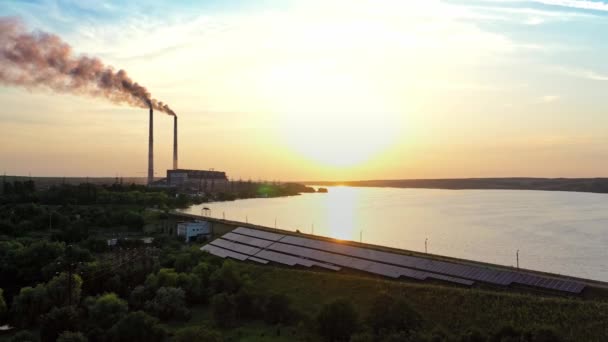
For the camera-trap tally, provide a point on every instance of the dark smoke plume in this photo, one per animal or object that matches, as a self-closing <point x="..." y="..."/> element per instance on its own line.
<point x="40" y="59"/>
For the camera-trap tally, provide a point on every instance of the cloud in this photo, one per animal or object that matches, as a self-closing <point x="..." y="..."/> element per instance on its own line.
<point x="549" y="98"/>
<point x="582" y="73"/>
<point x="580" y="4"/>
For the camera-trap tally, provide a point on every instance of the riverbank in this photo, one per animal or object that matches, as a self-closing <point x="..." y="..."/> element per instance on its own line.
<point x="595" y="185"/>
<point x="595" y="289"/>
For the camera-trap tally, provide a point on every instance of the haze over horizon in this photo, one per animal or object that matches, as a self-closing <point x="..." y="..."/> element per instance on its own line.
<point x="325" y="90"/>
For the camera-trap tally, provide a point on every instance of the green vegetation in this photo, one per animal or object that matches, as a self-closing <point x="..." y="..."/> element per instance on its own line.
<point x="337" y="320"/>
<point x="62" y="282"/>
<point x="3" y="308"/>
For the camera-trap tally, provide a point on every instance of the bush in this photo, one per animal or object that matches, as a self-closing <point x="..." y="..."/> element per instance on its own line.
<point x="278" y="309"/>
<point x="226" y="279"/>
<point x="166" y="277"/>
<point x="30" y="304"/>
<point x="57" y="321"/>
<point x="137" y="327"/>
<point x="248" y="304"/>
<point x="168" y="303"/>
<point x="58" y="286"/>
<point x="544" y="335"/>
<point x="3" y="308"/>
<point x="68" y="336"/>
<point x="363" y="337"/>
<point x="224" y="310"/>
<point x="337" y="321"/>
<point x="139" y="296"/>
<point x="473" y="336"/>
<point x="106" y="310"/>
<point x="388" y="315"/>
<point x="23" y="336"/>
<point x="197" y="334"/>
<point x="506" y="333"/>
<point x="192" y="286"/>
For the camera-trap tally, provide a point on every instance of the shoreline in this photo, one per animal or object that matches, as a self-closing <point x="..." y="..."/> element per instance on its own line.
<point x="586" y="185"/>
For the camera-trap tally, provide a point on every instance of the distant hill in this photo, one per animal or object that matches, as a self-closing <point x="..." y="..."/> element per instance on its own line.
<point x="597" y="185"/>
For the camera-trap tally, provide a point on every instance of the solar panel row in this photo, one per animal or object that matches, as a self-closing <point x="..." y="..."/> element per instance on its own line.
<point x="224" y="253"/>
<point x="472" y="272"/>
<point x="261" y="261"/>
<point x="260" y="255"/>
<point x="244" y="249"/>
<point x="259" y="234"/>
<point x="247" y="240"/>
<point x="341" y="260"/>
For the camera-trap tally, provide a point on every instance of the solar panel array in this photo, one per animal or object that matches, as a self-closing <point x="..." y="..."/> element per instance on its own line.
<point x="391" y="264"/>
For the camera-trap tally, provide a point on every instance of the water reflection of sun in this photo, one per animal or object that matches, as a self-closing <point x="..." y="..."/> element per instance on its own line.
<point x="341" y="213"/>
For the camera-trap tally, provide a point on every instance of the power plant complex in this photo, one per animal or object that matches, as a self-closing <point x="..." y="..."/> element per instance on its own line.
<point x="178" y="177"/>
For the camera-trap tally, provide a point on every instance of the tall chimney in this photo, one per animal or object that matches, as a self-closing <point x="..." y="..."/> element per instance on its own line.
<point x="151" y="148"/>
<point x="175" y="142"/>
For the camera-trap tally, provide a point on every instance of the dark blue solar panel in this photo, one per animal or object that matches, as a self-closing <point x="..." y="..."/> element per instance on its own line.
<point x="476" y="273"/>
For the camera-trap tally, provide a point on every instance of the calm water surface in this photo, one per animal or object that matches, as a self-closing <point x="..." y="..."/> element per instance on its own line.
<point x="559" y="232"/>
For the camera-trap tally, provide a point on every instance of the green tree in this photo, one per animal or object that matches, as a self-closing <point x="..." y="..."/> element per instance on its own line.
<point x="137" y="327"/>
<point x="3" y="308"/>
<point x="248" y="303"/>
<point x="106" y="310"/>
<point x="365" y="336"/>
<point x="506" y="333"/>
<point x="69" y="336"/>
<point x="226" y="279"/>
<point x="30" y="304"/>
<point x="166" y="277"/>
<point x="58" y="293"/>
<point x="544" y="334"/>
<point x="57" y="321"/>
<point x="192" y="286"/>
<point x="31" y="259"/>
<point x="203" y="270"/>
<point x="197" y="334"/>
<point x="389" y="314"/>
<point x="337" y="321"/>
<point x="473" y="336"/>
<point x="278" y="309"/>
<point x="139" y="296"/>
<point x="224" y="310"/>
<point x="168" y="303"/>
<point x="24" y="336"/>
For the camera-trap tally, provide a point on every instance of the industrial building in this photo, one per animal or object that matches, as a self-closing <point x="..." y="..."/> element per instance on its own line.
<point x="184" y="179"/>
<point x="193" y="178"/>
<point x="192" y="231"/>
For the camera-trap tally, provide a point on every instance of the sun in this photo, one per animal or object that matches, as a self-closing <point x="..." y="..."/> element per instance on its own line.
<point x="330" y="117"/>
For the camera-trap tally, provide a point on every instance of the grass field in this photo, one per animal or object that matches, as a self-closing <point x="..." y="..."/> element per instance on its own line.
<point x="453" y="309"/>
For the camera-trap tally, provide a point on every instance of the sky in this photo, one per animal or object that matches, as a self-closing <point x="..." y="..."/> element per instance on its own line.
<point x="324" y="89"/>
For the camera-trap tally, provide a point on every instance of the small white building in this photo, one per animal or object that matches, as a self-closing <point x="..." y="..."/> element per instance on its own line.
<point x="192" y="230"/>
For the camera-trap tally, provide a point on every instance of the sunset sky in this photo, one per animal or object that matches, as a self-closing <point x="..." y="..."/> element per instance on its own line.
<point x="325" y="90"/>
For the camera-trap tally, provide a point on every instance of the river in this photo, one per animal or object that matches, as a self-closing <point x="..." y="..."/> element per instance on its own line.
<point x="558" y="232"/>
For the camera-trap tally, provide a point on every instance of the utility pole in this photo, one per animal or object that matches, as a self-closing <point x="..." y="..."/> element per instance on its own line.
<point x="426" y="242"/>
<point x="517" y="258"/>
<point x="361" y="236"/>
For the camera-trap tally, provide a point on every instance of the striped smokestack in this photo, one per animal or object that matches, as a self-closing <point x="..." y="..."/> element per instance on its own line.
<point x="151" y="148"/>
<point x="175" y="142"/>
